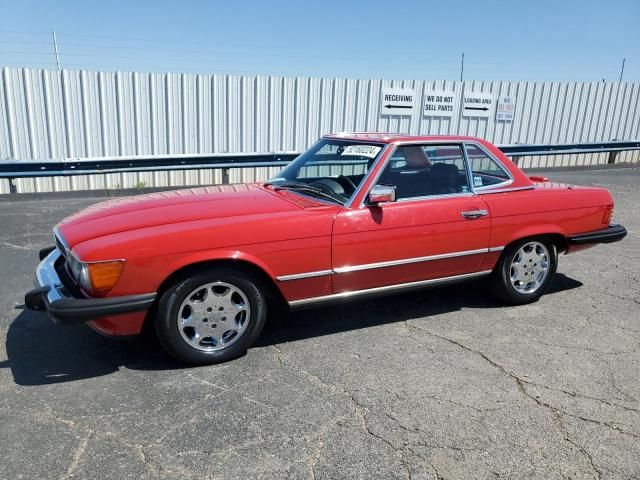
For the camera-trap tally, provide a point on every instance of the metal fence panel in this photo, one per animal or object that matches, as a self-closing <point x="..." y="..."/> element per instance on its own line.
<point x="72" y="113"/>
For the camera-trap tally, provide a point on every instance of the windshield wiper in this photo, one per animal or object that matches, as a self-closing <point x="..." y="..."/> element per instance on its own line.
<point x="303" y="188"/>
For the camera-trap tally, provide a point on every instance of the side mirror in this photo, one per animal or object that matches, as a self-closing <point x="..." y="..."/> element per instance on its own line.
<point x="382" y="194"/>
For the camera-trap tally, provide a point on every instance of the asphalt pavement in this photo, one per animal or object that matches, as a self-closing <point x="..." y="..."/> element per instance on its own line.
<point x="437" y="384"/>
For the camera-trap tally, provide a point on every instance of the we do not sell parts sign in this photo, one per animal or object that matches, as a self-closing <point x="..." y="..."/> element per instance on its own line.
<point x="439" y="103"/>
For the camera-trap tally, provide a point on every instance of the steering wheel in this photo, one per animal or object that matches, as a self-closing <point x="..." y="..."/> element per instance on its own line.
<point x="330" y="186"/>
<point x="347" y="184"/>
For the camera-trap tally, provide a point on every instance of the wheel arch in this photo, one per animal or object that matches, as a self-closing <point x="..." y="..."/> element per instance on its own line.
<point x="237" y="263"/>
<point x="552" y="232"/>
<point x="557" y="239"/>
<point x="233" y="260"/>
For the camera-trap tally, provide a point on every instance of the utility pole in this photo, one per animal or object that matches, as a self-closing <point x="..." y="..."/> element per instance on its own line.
<point x="622" y="69"/>
<point x="462" y="66"/>
<point x="55" y="48"/>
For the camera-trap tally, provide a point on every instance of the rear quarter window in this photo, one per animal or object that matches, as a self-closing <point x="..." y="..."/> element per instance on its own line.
<point x="486" y="171"/>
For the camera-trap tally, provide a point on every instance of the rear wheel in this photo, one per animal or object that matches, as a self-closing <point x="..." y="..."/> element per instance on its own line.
<point x="525" y="271"/>
<point x="211" y="316"/>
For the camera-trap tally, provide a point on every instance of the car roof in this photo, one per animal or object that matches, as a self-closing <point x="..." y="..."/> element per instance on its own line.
<point x="389" y="137"/>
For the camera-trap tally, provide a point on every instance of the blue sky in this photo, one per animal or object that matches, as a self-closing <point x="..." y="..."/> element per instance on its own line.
<point x="502" y="40"/>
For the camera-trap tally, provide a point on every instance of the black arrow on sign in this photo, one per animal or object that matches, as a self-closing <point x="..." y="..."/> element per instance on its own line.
<point x="476" y="108"/>
<point x="398" y="106"/>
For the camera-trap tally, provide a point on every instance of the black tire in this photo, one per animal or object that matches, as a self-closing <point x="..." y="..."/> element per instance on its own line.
<point x="167" y="315"/>
<point x="501" y="283"/>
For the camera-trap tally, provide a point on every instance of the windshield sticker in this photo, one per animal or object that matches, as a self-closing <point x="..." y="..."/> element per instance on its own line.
<point x="477" y="181"/>
<point x="370" y="151"/>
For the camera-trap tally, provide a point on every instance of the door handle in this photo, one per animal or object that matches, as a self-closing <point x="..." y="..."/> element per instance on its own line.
<point x="471" y="214"/>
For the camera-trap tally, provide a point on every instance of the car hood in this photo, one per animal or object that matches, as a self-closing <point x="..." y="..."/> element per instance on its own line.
<point x="162" y="208"/>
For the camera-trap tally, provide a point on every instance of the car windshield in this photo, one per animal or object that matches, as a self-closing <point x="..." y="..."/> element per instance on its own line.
<point x="331" y="170"/>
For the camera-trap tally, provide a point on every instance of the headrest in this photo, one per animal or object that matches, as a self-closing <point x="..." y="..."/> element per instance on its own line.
<point x="415" y="157"/>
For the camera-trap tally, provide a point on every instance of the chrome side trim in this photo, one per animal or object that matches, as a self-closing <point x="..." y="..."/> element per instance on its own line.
<point x="435" y="197"/>
<point x="298" y="276"/>
<point x="503" y="190"/>
<point x="385" y="289"/>
<point x="389" y="263"/>
<point x="404" y="261"/>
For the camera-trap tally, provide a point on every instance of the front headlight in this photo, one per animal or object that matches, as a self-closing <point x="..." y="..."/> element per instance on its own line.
<point x="95" y="277"/>
<point x="75" y="267"/>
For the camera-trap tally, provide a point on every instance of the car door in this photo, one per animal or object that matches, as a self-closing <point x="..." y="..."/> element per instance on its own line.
<point x="436" y="228"/>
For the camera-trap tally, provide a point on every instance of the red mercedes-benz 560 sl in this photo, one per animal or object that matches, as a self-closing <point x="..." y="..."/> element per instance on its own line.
<point x="356" y="215"/>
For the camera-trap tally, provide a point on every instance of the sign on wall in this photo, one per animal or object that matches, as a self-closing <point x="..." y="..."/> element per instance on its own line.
<point x="397" y="101"/>
<point x="505" y="109"/>
<point x="477" y="104"/>
<point x="439" y="103"/>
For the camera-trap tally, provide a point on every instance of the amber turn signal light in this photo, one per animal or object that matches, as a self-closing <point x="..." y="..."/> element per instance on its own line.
<point x="104" y="275"/>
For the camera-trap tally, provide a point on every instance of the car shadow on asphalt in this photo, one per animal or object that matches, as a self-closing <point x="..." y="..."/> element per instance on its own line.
<point x="41" y="353"/>
<point x="390" y="309"/>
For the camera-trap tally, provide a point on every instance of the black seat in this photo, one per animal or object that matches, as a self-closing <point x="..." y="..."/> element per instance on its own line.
<point x="444" y="178"/>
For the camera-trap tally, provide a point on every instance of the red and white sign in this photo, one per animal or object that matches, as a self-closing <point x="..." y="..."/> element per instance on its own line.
<point x="506" y="108"/>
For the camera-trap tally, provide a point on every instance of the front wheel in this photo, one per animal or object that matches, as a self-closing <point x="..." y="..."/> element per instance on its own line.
<point x="211" y="316"/>
<point x="525" y="271"/>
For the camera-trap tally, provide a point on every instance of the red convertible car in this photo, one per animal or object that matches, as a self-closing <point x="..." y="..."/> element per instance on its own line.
<point x="357" y="214"/>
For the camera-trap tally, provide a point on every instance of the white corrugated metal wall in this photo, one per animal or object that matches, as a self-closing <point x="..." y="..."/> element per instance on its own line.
<point x="69" y="114"/>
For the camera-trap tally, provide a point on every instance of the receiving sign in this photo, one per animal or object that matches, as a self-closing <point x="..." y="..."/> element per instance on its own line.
<point x="477" y="104"/>
<point x="439" y="103"/>
<point x="506" y="108"/>
<point x="397" y="101"/>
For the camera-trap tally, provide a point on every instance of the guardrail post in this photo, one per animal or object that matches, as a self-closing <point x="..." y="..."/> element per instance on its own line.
<point x="12" y="186"/>
<point x="516" y="160"/>
<point x="225" y="176"/>
<point x="612" y="157"/>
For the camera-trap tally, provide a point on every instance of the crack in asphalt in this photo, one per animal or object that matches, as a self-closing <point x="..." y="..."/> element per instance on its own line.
<point x="78" y="453"/>
<point x="521" y="388"/>
<point x="137" y="448"/>
<point x="359" y="410"/>
<point x="227" y="390"/>
<point x="582" y="396"/>
<point x="615" y="385"/>
<point x="315" y="458"/>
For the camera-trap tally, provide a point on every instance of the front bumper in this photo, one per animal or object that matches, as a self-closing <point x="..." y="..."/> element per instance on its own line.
<point x="614" y="233"/>
<point x="53" y="297"/>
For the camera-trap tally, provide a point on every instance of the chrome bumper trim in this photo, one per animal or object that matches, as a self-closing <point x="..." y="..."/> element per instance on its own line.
<point x="46" y="276"/>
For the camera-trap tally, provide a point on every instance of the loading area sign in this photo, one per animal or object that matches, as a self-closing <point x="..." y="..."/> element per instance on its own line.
<point x="397" y="101"/>
<point x="477" y="104"/>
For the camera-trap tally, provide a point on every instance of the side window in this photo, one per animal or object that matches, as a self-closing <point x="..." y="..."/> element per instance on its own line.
<point x="426" y="170"/>
<point x="485" y="170"/>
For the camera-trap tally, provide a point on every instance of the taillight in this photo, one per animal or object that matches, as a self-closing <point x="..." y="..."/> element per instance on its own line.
<point x="607" y="216"/>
